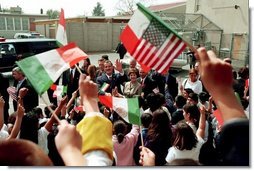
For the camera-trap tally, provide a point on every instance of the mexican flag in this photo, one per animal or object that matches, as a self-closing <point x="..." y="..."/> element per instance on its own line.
<point x="151" y="41"/>
<point x="104" y="87"/>
<point x="43" y="69"/>
<point x="59" y="90"/>
<point x="61" y="36"/>
<point x="127" y="108"/>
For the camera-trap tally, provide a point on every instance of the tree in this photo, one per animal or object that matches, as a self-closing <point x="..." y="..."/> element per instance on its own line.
<point x="98" y="10"/>
<point x="53" y="14"/>
<point x="127" y="7"/>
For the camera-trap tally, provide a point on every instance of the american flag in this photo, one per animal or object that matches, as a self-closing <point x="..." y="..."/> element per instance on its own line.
<point x="150" y="40"/>
<point x="12" y="92"/>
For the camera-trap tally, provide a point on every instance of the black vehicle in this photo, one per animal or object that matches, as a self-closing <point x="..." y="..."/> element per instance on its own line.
<point x="12" y="50"/>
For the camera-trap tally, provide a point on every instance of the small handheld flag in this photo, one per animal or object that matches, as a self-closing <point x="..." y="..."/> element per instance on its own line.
<point x="43" y="69"/>
<point x="151" y="41"/>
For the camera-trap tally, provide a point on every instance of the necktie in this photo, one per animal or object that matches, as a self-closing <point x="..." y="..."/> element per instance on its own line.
<point x="71" y="75"/>
<point x="110" y="78"/>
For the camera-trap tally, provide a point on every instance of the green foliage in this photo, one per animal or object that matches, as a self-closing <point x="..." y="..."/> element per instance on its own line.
<point x="53" y="14"/>
<point x="98" y="10"/>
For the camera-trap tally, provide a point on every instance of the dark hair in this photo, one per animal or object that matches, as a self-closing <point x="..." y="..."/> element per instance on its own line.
<point x="203" y="96"/>
<point x="38" y="111"/>
<point x="105" y="57"/>
<point x="29" y="127"/>
<point x="244" y="72"/>
<point x="180" y="101"/>
<point x="47" y="112"/>
<point x="188" y="91"/>
<point x="194" y="113"/>
<point x="194" y="97"/>
<point x="120" y="129"/>
<point x="91" y="70"/>
<point x="154" y="101"/>
<point x="159" y="127"/>
<point x="184" y="137"/>
<point x="88" y="61"/>
<point x="133" y="70"/>
<point x="146" y="119"/>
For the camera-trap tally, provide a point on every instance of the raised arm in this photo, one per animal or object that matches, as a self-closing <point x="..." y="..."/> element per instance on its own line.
<point x="214" y="71"/>
<point x="202" y="123"/>
<point x="69" y="143"/>
<point x="95" y="128"/>
<point x="52" y="120"/>
<point x="17" y="124"/>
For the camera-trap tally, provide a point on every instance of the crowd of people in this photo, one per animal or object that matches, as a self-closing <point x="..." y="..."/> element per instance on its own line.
<point x="203" y="122"/>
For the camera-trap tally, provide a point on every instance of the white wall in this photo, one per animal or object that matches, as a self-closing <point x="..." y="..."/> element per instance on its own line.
<point x="223" y="14"/>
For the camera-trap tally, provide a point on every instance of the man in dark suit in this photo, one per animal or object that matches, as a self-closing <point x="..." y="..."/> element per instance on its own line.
<point x="115" y="80"/>
<point x="148" y="84"/>
<point x="71" y="80"/>
<point x="171" y="84"/>
<point x="30" y="98"/>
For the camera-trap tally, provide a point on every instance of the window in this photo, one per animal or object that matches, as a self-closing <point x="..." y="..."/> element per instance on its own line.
<point x="25" y="23"/>
<point x="10" y="23"/>
<point x="2" y="23"/>
<point x="17" y="23"/>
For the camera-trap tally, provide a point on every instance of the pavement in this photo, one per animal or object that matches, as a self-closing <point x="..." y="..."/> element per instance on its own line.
<point x="180" y="74"/>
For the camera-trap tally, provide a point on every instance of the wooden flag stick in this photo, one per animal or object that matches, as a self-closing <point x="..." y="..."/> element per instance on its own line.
<point x="141" y="136"/>
<point x="78" y="69"/>
<point x="51" y="110"/>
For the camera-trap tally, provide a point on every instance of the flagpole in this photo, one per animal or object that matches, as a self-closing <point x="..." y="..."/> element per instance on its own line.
<point x="78" y="69"/>
<point x="141" y="136"/>
<point x="51" y="110"/>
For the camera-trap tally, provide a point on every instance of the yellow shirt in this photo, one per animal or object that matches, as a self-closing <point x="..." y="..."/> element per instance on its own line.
<point x="96" y="132"/>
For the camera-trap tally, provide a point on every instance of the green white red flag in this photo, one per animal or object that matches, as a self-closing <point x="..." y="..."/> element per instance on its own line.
<point x="104" y="87"/>
<point x="61" y="36"/>
<point x="43" y="69"/>
<point x="127" y="108"/>
<point x="59" y="90"/>
<point x="151" y="41"/>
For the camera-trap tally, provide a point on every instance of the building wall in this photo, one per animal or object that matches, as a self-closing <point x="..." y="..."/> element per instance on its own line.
<point x="223" y="13"/>
<point x="17" y="23"/>
<point x="233" y="21"/>
<point x="89" y="36"/>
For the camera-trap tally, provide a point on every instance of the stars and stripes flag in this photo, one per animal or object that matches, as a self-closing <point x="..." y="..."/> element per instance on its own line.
<point x="12" y="92"/>
<point x="150" y="40"/>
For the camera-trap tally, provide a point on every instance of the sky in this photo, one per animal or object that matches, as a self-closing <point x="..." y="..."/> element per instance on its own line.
<point x="72" y="8"/>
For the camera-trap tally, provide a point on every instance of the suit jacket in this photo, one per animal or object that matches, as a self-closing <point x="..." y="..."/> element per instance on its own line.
<point x="132" y="90"/>
<point x="72" y="84"/>
<point x="117" y="81"/>
<point x="172" y="85"/>
<point x="148" y="86"/>
<point x="30" y="100"/>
